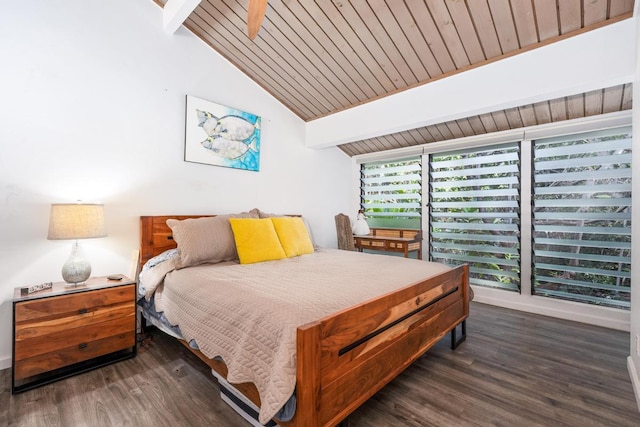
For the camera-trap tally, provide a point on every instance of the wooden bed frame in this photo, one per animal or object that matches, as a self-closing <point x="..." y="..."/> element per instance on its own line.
<point x="345" y="358"/>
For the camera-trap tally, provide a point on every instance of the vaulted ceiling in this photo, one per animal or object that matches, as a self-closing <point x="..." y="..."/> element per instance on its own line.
<point x="320" y="57"/>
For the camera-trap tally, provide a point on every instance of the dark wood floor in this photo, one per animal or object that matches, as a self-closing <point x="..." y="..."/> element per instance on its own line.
<point x="515" y="369"/>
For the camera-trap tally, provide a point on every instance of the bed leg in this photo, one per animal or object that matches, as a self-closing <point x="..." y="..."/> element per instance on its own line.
<point x="143" y="326"/>
<point x="456" y="341"/>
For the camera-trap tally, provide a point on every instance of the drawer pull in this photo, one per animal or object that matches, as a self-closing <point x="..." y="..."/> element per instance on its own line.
<point x="83" y="311"/>
<point x="83" y="345"/>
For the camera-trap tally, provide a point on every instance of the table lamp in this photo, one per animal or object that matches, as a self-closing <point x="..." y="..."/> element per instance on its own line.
<point x="76" y="221"/>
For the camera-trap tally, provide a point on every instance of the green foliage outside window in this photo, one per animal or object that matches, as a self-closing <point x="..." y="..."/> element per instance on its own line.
<point x="582" y="219"/>
<point x="475" y="213"/>
<point x="580" y="216"/>
<point x="391" y="194"/>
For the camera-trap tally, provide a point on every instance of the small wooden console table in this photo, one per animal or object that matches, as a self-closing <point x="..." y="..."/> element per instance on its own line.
<point x="391" y="240"/>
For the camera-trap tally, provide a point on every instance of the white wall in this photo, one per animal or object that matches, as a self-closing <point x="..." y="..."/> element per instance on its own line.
<point x="633" y="362"/>
<point x="92" y="108"/>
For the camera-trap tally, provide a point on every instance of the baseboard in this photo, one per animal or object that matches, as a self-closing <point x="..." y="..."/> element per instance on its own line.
<point x="5" y="362"/>
<point x="578" y="312"/>
<point x="635" y="380"/>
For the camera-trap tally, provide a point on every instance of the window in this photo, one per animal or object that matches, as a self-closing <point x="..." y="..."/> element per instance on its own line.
<point x="474" y="213"/>
<point x="582" y="218"/>
<point x="391" y="193"/>
<point x="576" y="220"/>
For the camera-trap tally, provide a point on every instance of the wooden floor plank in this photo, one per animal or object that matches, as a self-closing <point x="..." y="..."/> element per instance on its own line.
<point x="514" y="369"/>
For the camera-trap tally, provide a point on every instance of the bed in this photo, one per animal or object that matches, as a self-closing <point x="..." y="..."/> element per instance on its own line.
<point x="344" y="357"/>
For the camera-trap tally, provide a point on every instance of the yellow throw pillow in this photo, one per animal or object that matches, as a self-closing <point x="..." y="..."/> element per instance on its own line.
<point x="293" y="235"/>
<point x="256" y="240"/>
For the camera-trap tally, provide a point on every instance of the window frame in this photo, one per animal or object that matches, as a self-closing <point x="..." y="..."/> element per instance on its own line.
<point x="623" y="231"/>
<point x="373" y="172"/>
<point x="597" y="315"/>
<point x="455" y="245"/>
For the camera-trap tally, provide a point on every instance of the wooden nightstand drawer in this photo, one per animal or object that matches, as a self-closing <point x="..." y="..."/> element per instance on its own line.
<point x="27" y="330"/>
<point x="76" y="303"/>
<point x="73" y="354"/>
<point x="63" y="338"/>
<point x="64" y="331"/>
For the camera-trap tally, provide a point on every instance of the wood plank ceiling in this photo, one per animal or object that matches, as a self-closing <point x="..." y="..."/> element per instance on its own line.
<point x="319" y="57"/>
<point x="592" y="103"/>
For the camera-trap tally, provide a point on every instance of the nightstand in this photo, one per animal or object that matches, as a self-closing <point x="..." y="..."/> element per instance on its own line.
<point x="63" y="331"/>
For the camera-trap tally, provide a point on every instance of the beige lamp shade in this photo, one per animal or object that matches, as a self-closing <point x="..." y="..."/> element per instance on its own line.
<point x="76" y="221"/>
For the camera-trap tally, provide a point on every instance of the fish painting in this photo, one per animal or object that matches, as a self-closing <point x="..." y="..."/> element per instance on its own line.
<point x="228" y="148"/>
<point x="222" y="136"/>
<point x="234" y="128"/>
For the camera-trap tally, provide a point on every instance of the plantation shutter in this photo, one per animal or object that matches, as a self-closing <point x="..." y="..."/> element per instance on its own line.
<point x="391" y="193"/>
<point x="474" y="213"/>
<point x="582" y="217"/>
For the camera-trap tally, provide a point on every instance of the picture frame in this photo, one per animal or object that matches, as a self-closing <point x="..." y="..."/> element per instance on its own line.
<point x="221" y="136"/>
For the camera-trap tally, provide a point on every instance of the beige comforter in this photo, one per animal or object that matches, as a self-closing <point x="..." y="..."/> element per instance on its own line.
<point x="248" y="314"/>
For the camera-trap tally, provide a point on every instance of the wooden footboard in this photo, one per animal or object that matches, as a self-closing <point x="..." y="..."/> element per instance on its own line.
<point x="345" y="358"/>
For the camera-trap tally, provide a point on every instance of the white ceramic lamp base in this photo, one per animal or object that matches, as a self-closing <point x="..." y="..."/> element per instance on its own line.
<point x="77" y="269"/>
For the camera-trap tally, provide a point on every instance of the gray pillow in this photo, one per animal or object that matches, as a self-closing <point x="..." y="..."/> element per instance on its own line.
<point x="206" y="240"/>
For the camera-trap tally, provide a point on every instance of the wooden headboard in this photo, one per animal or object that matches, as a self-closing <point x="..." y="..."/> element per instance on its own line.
<point x="156" y="237"/>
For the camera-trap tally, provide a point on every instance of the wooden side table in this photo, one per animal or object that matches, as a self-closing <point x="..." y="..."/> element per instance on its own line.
<point x="404" y="245"/>
<point x="63" y="331"/>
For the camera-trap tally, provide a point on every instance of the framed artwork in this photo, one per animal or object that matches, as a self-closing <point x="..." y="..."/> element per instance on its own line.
<point x="221" y="136"/>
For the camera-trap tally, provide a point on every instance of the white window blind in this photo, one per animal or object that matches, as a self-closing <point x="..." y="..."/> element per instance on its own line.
<point x="391" y="193"/>
<point x="474" y="213"/>
<point x="582" y="218"/>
